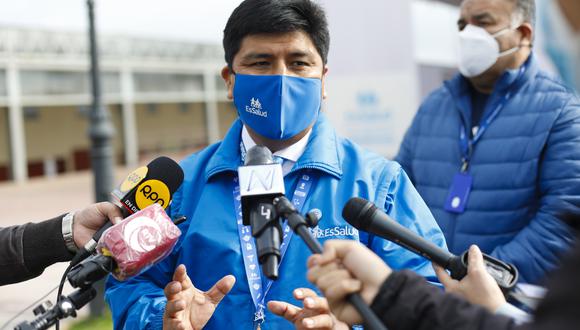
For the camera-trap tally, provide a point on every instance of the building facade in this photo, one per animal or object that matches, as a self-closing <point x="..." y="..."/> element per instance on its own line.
<point x="162" y="96"/>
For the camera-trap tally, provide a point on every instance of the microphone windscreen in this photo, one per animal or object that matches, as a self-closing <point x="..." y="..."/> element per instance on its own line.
<point x="139" y="241"/>
<point x="358" y="212"/>
<point x="166" y="170"/>
<point x="259" y="155"/>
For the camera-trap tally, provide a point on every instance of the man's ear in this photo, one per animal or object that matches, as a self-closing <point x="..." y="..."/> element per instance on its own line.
<point x="323" y="79"/>
<point x="229" y="78"/>
<point x="527" y="32"/>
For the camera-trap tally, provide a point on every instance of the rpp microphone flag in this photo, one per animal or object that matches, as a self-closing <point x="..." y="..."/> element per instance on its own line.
<point x="154" y="183"/>
<point x="129" y="248"/>
<point x="139" y="241"/>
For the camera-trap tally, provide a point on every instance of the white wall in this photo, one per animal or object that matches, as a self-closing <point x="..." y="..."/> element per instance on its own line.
<point x="372" y="83"/>
<point x="434" y="33"/>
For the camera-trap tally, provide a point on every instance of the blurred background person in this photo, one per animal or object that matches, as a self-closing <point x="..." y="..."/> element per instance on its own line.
<point x="559" y="33"/>
<point x="495" y="150"/>
<point x="405" y="301"/>
<point x="26" y="250"/>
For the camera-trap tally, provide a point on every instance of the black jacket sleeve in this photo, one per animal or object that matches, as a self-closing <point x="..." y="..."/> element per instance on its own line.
<point x="560" y="308"/>
<point x="26" y="250"/>
<point x="406" y="301"/>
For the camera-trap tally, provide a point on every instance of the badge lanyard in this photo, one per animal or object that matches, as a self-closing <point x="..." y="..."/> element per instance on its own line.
<point x="466" y="144"/>
<point x="253" y="272"/>
<point x="462" y="181"/>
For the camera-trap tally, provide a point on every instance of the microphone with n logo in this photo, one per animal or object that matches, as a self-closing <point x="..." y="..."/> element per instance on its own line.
<point x="261" y="180"/>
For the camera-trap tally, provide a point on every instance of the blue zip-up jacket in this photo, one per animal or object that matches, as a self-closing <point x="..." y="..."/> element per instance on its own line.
<point x="210" y="244"/>
<point x="525" y="168"/>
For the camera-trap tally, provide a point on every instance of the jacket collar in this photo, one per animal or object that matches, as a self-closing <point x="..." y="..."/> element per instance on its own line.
<point x="321" y="151"/>
<point x="510" y="79"/>
<point x="509" y="82"/>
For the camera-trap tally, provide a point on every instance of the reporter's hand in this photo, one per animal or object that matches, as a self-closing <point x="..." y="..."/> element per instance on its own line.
<point x="346" y="267"/>
<point x="314" y="315"/>
<point x="478" y="287"/>
<point x="189" y="308"/>
<point x="92" y="218"/>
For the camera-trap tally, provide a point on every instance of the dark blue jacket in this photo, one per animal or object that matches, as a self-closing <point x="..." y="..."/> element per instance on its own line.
<point x="525" y="168"/>
<point x="210" y="244"/>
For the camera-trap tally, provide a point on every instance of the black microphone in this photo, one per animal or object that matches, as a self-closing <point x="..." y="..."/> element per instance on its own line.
<point x="154" y="183"/>
<point x="261" y="180"/>
<point x="365" y="216"/>
<point x="129" y="248"/>
<point x="300" y="225"/>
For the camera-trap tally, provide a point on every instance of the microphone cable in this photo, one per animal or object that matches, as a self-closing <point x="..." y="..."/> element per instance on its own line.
<point x="60" y="288"/>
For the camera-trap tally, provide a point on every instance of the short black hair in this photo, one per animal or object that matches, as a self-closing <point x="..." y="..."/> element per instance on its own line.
<point x="276" y="16"/>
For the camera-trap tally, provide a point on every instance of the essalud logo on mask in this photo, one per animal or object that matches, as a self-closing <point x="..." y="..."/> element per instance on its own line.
<point x="256" y="108"/>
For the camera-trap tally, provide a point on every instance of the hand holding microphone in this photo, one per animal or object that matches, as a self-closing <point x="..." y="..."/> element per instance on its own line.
<point x="125" y="250"/>
<point x="346" y="267"/>
<point x="151" y="184"/>
<point x="129" y="247"/>
<point x="478" y="287"/>
<point x="90" y="219"/>
<point x="365" y="216"/>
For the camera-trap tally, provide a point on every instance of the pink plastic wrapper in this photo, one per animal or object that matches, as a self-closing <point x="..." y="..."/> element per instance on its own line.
<point x="139" y="241"/>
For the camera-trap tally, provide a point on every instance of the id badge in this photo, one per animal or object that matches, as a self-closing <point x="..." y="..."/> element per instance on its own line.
<point x="458" y="193"/>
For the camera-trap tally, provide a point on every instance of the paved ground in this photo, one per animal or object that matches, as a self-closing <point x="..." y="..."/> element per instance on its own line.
<point x="37" y="200"/>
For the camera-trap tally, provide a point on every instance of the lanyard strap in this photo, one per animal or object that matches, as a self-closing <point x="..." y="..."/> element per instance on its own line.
<point x="253" y="272"/>
<point x="468" y="144"/>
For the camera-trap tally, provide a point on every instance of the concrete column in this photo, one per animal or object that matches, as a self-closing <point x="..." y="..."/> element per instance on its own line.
<point x="211" y="107"/>
<point x="15" y="124"/>
<point x="130" y="139"/>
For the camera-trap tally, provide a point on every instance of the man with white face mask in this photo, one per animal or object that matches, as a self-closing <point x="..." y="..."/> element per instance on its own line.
<point x="495" y="151"/>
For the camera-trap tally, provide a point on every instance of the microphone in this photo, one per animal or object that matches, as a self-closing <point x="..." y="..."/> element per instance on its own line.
<point x="154" y="183"/>
<point x="261" y="180"/>
<point x="129" y="248"/>
<point x="125" y="250"/>
<point x="300" y="225"/>
<point x="365" y="216"/>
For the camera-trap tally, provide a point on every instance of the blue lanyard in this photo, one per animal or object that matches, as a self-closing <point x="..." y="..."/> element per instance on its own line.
<point x="253" y="272"/>
<point x="467" y="144"/>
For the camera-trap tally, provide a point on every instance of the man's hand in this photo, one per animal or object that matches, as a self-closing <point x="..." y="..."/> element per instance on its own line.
<point x="478" y="287"/>
<point x="189" y="308"/>
<point x="92" y="218"/>
<point x="315" y="314"/>
<point x="347" y="267"/>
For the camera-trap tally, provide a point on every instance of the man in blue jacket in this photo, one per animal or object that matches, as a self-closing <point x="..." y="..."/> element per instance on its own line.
<point x="495" y="152"/>
<point x="276" y="53"/>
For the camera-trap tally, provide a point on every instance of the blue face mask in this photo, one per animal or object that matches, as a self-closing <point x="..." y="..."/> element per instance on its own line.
<point x="277" y="107"/>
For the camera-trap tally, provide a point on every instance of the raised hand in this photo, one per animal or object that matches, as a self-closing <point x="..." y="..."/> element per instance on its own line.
<point x="189" y="308"/>
<point x="478" y="287"/>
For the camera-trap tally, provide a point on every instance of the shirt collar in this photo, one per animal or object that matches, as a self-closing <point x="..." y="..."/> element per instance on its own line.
<point x="291" y="153"/>
<point x="322" y="151"/>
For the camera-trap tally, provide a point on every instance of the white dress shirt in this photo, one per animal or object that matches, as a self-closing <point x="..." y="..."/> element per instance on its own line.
<point x="290" y="154"/>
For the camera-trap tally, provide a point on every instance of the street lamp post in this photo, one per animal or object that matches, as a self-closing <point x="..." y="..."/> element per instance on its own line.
<point x="101" y="132"/>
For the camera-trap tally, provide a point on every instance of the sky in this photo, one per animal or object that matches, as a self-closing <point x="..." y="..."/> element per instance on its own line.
<point x="188" y="20"/>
